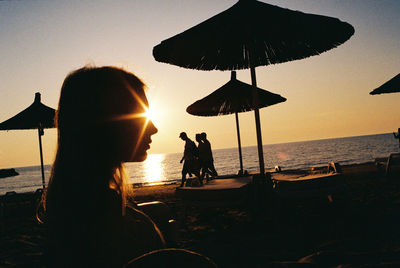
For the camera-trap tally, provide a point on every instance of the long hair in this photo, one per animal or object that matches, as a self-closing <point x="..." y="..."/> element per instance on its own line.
<point x="90" y="149"/>
<point x="87" y="172"/>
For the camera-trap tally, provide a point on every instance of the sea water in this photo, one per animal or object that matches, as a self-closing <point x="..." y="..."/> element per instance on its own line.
<point x="165" y="168"/>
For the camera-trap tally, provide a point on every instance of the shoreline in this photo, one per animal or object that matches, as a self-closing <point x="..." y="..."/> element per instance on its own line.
<point x="235" y="148"/>
<point x="173" y="182"/>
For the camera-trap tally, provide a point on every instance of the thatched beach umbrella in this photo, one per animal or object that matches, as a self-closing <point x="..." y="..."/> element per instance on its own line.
<point x="391" y="86"/>
<point x="36" y="116"/>
<point x="233" y="97"/>
<point x="251" y="34"/>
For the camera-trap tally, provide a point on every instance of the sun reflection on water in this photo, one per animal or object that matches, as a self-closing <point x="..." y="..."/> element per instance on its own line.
<point x="153" y="167"/>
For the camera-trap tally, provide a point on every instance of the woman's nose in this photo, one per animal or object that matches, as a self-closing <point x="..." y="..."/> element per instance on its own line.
<point x="151" y="128"/>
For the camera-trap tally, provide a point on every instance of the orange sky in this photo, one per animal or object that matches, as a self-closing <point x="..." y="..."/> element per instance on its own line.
<point x="327" y="95"/>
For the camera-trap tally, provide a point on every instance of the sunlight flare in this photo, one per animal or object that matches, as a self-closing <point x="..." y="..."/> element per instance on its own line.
<point x="153" y="114"/>
<point x="153" y="167"/>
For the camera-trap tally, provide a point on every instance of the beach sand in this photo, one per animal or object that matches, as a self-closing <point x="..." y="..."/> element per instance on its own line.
<point x="360" y="228"/>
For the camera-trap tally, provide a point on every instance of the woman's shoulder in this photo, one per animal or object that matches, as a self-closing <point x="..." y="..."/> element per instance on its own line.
<point x="141" y="234"/>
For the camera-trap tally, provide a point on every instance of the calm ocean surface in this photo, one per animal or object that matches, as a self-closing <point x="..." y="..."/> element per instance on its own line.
<point x="165" y="168"/>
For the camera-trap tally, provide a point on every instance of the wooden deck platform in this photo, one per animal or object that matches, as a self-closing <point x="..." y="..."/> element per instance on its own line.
<point x="285" y="185"/>
<point x="217" y="189"/>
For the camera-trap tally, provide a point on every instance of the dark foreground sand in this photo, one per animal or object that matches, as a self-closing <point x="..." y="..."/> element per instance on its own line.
<point x="360" y="228"/>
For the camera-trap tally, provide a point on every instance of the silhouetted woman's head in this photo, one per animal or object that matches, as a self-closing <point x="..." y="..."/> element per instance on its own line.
<point x="101" y="116"/>
<point x="101" y="124"/>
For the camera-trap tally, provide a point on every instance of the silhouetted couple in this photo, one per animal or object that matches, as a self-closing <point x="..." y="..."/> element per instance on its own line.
<point x="197" y="159"/>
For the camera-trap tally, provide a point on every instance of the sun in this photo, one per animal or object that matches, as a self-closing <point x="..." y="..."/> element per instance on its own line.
<point x="153" y="114"/>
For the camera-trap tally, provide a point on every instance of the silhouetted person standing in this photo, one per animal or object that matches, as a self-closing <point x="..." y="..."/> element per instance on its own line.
<point x="202" y="149"/>
<point x="209" y="160"/>
<point x="190" y="158"/>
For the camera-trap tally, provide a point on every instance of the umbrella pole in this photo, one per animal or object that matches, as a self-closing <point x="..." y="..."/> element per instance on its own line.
<point x="257" y="117"/>
<point x="40" y="133"/>
<point x="240" y="146"/>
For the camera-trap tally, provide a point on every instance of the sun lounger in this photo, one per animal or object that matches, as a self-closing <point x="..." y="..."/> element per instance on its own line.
<point x="14" y="205"/>
<point x="307" y="184"/>
<point x="380" y="163"/>
<point x="389" y="165"/>
<point x="393" y="165"/>
<point x="160" y="213"/>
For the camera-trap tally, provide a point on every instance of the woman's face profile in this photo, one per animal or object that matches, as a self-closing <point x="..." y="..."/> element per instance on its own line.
<point x="138" y="132"/>
<point x="109" y="107"/>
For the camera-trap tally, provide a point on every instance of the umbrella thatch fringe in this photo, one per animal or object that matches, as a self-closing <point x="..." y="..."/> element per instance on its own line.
<point x="270" y="57"/>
